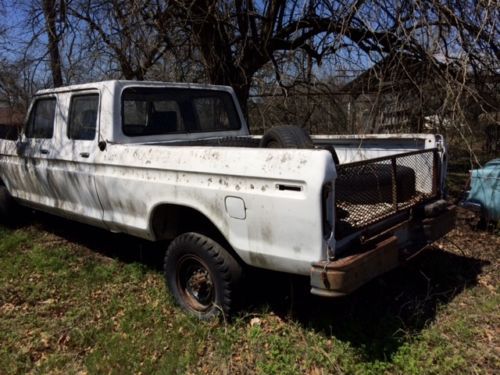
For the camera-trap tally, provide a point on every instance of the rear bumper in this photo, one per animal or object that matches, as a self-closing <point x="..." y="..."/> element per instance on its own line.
<point x="398" y="245"/>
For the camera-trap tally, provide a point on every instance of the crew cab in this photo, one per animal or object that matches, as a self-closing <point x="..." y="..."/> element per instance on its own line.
<point x="176" y="162"/>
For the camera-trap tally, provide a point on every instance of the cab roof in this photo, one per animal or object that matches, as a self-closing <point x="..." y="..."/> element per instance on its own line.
<point x="112" y="84"/>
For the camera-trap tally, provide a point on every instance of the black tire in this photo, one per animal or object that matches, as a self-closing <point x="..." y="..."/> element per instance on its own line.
<point x="286" y="137"/>
<point x="7" y="206"/>
<point x="201" y="275"/>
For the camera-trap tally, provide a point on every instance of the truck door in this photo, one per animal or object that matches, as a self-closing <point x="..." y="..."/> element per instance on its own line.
<point x="28" y="177"/>
<point x="77" y="158"/>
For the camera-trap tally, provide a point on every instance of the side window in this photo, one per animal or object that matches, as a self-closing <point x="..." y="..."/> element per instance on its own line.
<point x="41" y="120"/>
<point x="82" y="122"/>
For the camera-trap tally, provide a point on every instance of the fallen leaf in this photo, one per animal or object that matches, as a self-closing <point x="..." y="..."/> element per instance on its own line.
<point x="255" y="322"/>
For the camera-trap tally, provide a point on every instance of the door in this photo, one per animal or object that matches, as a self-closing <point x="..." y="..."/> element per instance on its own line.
<point x="29" y="177"/>
<point x="77" y="158"/>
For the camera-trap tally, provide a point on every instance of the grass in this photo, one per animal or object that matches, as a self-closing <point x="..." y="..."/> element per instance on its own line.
<point x="77" y="300"/>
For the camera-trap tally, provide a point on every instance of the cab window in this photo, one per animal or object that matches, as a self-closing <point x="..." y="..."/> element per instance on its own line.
<point x="41" y="120"/>
<point x="82" y="122"/>
<point x="158" y="111"/>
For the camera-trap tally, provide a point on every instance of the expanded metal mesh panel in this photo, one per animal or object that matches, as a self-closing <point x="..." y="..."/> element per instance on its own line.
<point x="371" y="190"/>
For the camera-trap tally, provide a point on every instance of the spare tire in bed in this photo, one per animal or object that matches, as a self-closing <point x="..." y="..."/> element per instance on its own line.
<point x="286" y="136"/>
<point x="372" y="183"/>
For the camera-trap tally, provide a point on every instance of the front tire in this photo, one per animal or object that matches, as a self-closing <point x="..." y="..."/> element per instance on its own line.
<point x="201" y="275"/>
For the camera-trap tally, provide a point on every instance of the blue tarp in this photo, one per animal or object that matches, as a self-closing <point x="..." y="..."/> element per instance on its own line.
<point x="485" y="189"/>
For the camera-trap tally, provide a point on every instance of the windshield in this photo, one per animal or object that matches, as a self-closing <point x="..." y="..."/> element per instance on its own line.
<point x="157" y="111"/>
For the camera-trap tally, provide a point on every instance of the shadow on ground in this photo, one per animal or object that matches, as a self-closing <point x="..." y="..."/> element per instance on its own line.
<point x="123" y="247"/>
<point x="379" y="317"/>
<point x="376" y="319"/>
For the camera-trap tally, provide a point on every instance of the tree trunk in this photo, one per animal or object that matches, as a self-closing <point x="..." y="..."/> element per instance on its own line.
<point x="242" y="93"/>
<point x="50" y="14"/>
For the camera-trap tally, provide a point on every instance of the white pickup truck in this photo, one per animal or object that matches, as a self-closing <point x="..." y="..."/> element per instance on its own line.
<point x="176" y="162"/>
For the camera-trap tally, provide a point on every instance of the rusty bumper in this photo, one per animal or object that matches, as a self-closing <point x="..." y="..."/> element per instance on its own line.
<point x="345" y="275"/>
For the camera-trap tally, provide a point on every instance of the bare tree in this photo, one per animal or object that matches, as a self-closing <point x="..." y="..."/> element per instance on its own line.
<point x="434" y="59"/>
<point x="52" y="11"/>
<point x="237" y="39"/>
<point x="132" y="34"/>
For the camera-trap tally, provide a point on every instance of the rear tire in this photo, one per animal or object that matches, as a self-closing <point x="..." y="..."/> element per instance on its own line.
<point x="201" y="275"/>
<point x="286" y="137"/>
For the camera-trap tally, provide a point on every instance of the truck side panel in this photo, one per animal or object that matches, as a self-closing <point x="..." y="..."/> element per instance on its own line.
<point x="280" y="190"/>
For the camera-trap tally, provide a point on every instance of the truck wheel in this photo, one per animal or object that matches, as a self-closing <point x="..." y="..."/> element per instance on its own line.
<point x="201" y="275"/>
<point x="7" y="205"/>
<point x="286" y="137"/>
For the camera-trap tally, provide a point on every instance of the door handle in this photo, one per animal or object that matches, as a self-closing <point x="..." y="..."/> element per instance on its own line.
<point x="44" y="151"/>
<point x="84" y="154"/>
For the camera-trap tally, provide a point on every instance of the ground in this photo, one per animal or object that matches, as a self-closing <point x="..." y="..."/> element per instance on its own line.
<point x="75" y="299"/>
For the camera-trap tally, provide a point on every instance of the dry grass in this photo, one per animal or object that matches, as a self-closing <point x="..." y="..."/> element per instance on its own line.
<point x="74" y="299"/>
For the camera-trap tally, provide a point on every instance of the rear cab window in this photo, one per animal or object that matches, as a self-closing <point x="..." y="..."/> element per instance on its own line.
<point x="41" y="120"/>
<point x="160" y="111"/>
<point x="211" y="113"/>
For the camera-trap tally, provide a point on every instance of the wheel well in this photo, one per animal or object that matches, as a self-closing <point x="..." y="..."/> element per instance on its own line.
<point x="170" y="220"/>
